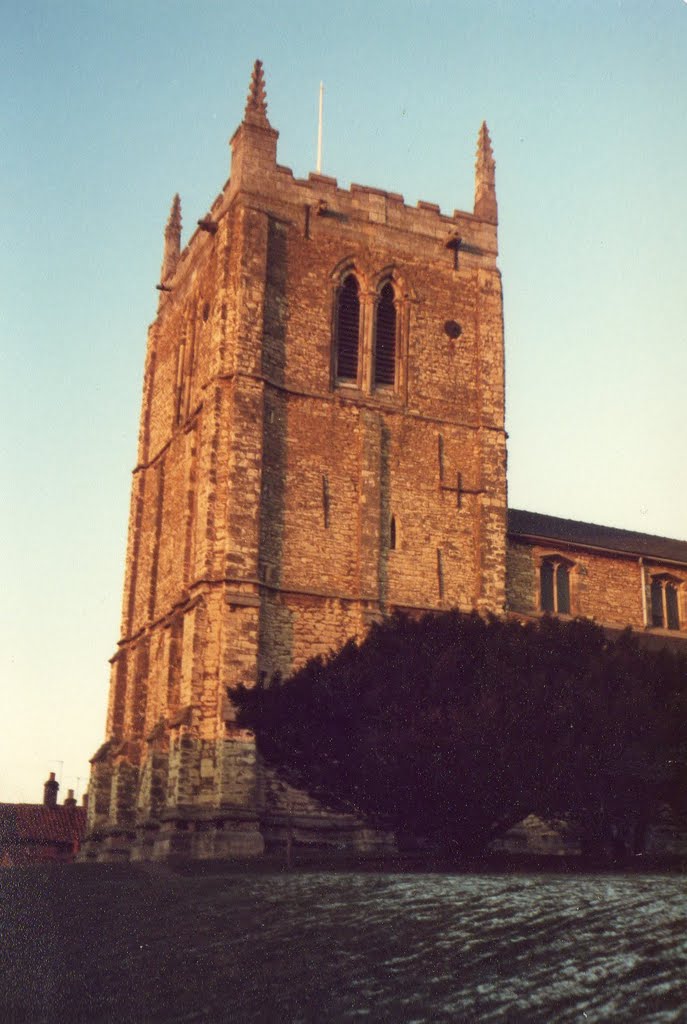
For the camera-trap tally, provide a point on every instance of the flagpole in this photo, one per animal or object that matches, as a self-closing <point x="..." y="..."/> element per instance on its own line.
<point x="319" y="133"/>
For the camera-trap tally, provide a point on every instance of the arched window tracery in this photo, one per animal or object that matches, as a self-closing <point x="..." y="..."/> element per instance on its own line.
<point x="554" y="585"/>
<point x="370" y="329"/>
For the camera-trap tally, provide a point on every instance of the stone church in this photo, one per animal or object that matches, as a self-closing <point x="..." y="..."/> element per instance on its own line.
<point x="321" y="441"/>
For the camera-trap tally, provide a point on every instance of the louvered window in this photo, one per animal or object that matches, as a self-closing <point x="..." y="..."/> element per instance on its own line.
<point x="347" y="330"/>
<point x="385" y="338"/>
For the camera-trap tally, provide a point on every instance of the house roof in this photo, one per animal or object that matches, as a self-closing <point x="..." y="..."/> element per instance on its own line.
<point x="537" y="526"/>
<point x="36" y="823"/>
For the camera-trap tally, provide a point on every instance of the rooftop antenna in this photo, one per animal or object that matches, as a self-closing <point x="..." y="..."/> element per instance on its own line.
<point x="78" y="779"/>
<point x="319" y="132"/>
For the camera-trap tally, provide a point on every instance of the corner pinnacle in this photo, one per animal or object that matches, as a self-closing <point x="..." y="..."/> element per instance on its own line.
<point x="174" y="220"/>
<point x="485" y="177"/>
<point x="172" y="245"/>
<point x="256" y="103"/>
<point x="485" y="164"/>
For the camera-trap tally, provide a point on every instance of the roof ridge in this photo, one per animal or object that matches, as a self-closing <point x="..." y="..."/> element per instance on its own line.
<point x="598" y="526"/>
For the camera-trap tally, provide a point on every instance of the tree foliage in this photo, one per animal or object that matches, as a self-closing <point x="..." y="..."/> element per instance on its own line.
<point x="453" y="728"/>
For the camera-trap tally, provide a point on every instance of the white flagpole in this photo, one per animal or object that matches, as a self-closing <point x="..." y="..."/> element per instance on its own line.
<point x="319" y="133"/>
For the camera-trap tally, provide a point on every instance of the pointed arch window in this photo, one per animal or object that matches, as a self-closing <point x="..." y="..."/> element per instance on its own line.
<point x="665" y="606"/>
<point x="554" y="586"/>
<point x="348" y="330"/>
<point x="371" y="317"/>
<point x="385" y="338"/>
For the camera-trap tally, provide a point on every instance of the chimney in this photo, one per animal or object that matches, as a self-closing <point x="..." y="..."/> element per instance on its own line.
<point x="50" y="789"/>
<point x="84" y="801"/>
<point x="70" y="800"/>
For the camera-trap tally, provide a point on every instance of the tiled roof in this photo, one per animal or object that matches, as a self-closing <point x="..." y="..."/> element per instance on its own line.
<point x="534" y="524"/>
<point x="36" y="823"/>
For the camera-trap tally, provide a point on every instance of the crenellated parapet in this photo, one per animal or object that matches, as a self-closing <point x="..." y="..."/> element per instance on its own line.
<point x="318" y="205"/>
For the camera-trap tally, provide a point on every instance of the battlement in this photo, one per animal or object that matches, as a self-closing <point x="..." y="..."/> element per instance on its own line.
<point x="256" y="175"/>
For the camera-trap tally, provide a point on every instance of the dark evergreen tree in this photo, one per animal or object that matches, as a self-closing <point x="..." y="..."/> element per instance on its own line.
<point x="453" y="728"/>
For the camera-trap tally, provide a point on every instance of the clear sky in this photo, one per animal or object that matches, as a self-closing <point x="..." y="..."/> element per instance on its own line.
<point x="110" y="108"/>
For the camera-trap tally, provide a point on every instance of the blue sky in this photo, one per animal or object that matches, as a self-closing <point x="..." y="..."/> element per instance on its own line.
<point x="111" y="108"/>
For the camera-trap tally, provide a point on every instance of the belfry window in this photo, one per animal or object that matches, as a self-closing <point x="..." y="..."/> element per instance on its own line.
<point x="371" y="316"/>
<point x="385" y="338"/>
<point x="554" y="589"/>
<point x="347" y="330"/>
<point x="665" y="611"/>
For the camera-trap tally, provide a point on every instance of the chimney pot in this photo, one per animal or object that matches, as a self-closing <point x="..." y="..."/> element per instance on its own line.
<point x="50" y="789"/>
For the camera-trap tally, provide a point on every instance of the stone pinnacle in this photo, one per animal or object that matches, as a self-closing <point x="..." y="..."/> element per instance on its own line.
<point x="174" y="221"/>
<point x="485" y="164"/>
<point x="172" y="245"/>
<point x="256" y="103"/>
<point x="485" y="178"/>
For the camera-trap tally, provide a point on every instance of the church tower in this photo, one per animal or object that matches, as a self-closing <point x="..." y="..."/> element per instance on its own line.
<point x="321" y="441"/>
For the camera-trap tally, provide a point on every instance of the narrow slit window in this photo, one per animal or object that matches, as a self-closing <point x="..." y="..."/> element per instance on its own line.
<point x="179" y="396"/>
<point x="392" y="534"/>
<point x="385" y="338"/>
<point x="325" y="501"/>
<point x="347" y="330"/>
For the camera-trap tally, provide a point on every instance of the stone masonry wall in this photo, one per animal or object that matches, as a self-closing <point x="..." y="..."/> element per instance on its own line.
<point x="604" y="587"/>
